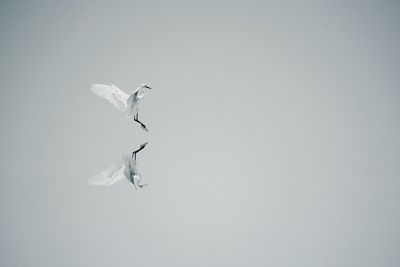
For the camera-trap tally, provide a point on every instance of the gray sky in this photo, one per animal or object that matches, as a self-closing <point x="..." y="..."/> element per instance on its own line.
<point x="273" y="133"/>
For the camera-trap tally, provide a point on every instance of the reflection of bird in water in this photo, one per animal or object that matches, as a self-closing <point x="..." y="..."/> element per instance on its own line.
<point x="126" y="168"/>
<point x="122" y="101"/>
<point x="131" y="171"/>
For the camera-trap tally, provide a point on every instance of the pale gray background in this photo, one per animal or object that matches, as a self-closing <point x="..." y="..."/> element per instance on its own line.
<point x="274" y="133"/>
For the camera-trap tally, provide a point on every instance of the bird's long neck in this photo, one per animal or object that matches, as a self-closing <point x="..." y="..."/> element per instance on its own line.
<point x="140" y="92"/>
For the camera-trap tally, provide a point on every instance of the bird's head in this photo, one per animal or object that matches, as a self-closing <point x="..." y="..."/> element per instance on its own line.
<point x="143" y="86"/>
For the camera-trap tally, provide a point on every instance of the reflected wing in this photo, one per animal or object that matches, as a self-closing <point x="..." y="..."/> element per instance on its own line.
<point x="110" y="176"/>
<point x="112" y="93"/>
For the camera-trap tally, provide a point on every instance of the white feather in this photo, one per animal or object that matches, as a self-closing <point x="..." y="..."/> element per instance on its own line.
<point x="113" y="94"/>
<point x="110" y="176"/>
<point x="131" y="172"/>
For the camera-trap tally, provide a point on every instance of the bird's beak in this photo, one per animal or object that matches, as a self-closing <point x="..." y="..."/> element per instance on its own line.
<point x="147" y="87"/>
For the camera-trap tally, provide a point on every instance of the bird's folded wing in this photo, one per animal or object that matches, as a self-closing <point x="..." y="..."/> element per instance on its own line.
<point x="110" y="176"/>
<point x="112" y="93"/>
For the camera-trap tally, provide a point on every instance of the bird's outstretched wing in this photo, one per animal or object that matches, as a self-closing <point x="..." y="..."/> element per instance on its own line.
<point x="110" y="176"/>
<point x="112" y="93"/>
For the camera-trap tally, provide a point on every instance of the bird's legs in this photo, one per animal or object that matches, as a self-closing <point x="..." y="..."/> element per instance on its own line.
<point x="136" y="118"/>
<point x="142" y="185"/>
<point x="137" y="151"/>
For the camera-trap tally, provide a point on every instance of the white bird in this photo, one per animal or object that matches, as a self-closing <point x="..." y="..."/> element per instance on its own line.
<point x="128" y="104"/>
<point x="127" y="168"/>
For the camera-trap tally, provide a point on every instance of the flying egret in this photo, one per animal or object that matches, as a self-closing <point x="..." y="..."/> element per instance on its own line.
<point x="127" y="168"/>
<point x="128" y="104"/>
